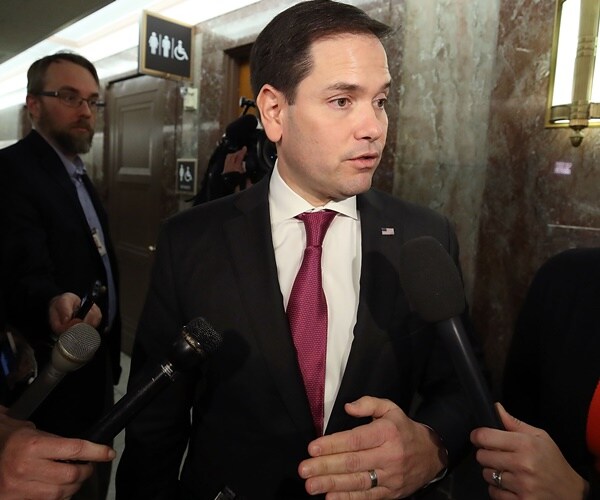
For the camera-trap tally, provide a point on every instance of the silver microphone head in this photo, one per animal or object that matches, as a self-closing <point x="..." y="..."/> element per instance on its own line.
<point x="75" y="347"/>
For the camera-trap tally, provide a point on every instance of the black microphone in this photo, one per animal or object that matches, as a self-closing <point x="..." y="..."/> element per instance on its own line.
<point x="73" y="349"/>
<point x="240" y="131"/>
<point x="89" y="299"/>
<point x="198" y="339"/>
<point x="435" y="292"/>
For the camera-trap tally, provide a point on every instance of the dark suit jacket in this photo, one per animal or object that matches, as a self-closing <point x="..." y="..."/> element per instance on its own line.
<point x="48" y="250"/>
<point x="251" y="418"/>
<point x="553" y="365"/>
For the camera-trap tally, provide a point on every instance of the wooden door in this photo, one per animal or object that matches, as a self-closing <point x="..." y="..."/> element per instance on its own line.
<point x="137" y="112"/>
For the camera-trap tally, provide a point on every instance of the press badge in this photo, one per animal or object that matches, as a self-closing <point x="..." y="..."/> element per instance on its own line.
<point x="98" y="242"/>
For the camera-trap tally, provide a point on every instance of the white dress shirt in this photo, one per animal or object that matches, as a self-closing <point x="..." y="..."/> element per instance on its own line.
<point x="341" y="264"/>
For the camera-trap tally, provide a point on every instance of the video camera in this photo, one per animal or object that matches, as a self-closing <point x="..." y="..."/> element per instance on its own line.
<point x="259" y="160"/>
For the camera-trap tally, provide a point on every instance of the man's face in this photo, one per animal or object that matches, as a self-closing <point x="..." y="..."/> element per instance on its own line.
<point x="71" y="129"/>
<point x="332" y="137"/>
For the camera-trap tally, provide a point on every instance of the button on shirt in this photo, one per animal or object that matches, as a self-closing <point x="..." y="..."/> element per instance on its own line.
<point x="341" y="264"/>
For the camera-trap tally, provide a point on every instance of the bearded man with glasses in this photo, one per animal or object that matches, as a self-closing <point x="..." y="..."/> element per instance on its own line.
<point x="56" y="245"/>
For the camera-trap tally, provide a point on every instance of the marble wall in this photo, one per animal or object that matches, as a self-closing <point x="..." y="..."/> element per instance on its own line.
<point x="472" y="144"/>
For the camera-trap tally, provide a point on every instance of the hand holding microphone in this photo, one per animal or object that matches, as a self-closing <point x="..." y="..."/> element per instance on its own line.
<point x="434" y="289"/>
<point x="198" y="340"/>
<point x="73" y="349"/>
<point x="63" y="312"/>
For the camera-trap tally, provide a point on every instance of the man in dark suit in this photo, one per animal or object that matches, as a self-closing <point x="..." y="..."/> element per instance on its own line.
<point x="56" y="242"/>
<point x="320" y="75"/>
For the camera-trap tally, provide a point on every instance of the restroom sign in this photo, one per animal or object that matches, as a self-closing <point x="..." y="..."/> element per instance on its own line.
<point x="165" y="47"/>
<point x="186" y="176"/>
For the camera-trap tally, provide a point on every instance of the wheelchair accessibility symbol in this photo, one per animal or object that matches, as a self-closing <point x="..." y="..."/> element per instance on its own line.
<point x="186" y="176"/>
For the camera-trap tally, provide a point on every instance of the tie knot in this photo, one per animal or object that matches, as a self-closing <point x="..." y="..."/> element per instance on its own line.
<point x="316" y="225"/>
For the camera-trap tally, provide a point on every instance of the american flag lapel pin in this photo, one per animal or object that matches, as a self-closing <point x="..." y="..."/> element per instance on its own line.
<point x="387" y="231"/>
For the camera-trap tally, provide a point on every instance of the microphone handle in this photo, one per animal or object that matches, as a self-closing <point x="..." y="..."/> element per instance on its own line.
<point x="36" y="393"/>
<point x="469" y="372"/>
<point x="128" y="406"/>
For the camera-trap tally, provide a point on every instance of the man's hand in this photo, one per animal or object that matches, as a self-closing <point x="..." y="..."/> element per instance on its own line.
<point x="404" y="454"/>
<point x="234" y="162"/>
<point x="29" y="466"/>
<point x="62" y="308"/>
<point x="530" y="463"/>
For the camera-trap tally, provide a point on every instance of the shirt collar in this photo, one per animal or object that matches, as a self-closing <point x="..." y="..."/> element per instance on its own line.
<point x="75" y="168"/>
<point x="285" y="204"/>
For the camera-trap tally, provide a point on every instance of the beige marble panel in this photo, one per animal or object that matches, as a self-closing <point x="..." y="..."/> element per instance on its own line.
<point x="446" y="78"/>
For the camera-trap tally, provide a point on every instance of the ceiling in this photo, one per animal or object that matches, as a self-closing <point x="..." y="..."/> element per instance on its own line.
<point x="104" y="31"/>
<point x="23" y="23"/>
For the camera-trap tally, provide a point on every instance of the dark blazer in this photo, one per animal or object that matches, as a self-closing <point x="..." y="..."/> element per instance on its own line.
<point x="251" y="418"/>
<point x="553" y="365"/>
<point x="47" y="250"/>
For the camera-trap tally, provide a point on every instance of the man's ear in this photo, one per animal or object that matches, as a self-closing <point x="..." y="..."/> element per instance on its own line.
<point x="271" y="103"/>
<point x="33" y="105"/>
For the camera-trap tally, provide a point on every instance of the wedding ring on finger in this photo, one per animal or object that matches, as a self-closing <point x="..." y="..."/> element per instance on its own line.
<point x="497" y="478"/>
<point x="373" y="478"/>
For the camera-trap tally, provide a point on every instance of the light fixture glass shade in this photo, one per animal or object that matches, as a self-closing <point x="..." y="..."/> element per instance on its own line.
<point x="596" y="83"/>
<point x="574" y="85"/>
<point x="566" y="50"/>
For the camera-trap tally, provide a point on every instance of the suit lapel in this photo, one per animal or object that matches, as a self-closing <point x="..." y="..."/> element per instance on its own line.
<point x="379" y="285"/>
<point x="256" y="271"/>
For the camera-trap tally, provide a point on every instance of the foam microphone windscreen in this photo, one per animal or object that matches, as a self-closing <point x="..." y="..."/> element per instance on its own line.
<point x="434" y="290"/>
<point x="203" y="339"/>
<point x="431" y="280"/>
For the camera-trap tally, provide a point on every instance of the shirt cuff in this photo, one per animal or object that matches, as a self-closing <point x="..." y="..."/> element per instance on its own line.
<point x="440" y="443"/>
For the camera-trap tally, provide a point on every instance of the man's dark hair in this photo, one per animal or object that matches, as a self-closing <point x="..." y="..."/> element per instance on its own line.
<point x="281" y="54"/>
<point x="36" y="74"/>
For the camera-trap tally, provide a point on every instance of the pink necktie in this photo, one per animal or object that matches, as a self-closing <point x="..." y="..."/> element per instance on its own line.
<point x="307" y="313"/>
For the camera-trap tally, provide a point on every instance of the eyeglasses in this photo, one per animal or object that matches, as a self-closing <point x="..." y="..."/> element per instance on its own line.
<point x="73" y="99"/>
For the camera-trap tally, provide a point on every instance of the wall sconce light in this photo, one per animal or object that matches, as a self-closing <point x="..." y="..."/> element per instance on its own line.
<point x="574" y="87"/>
